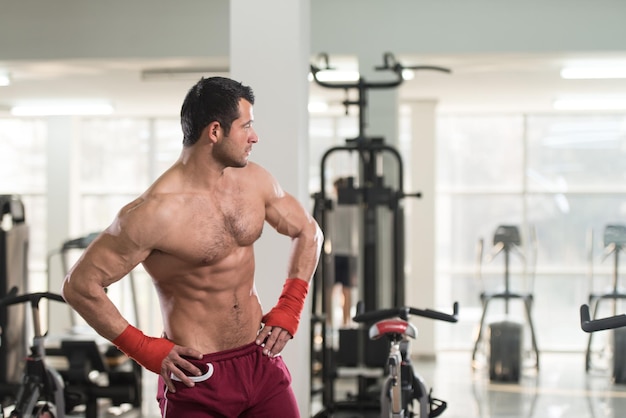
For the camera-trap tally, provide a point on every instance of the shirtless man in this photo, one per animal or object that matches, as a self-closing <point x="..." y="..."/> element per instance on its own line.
<point x="193" y="230"/>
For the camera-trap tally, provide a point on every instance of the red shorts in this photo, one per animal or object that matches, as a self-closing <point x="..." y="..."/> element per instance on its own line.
<point x="241" y="382"/>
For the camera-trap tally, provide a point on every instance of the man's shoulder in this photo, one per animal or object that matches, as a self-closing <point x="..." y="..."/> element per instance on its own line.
<point x="256" y="168"/>
<point x="253" y="174"/>
<point x="150" y="205"/>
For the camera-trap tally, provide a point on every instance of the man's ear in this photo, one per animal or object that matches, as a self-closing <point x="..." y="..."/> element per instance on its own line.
<point x="213" y="130"/>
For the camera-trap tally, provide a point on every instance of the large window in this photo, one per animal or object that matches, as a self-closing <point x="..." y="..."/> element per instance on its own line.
<point x="114" y="161"/>
<point x="560" y="179"/>
<point x="23" y="173"/>
<point x="119" y="159"/>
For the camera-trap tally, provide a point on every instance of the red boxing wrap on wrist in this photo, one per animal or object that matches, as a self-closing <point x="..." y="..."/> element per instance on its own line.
<point x="286" y="313"/>
<point x="147" y="351"/>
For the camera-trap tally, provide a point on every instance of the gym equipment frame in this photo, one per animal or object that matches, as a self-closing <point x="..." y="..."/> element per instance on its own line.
<point x="402" y="384"/>
<point x="370" y="195"/>
<point x="14" y="244"/>
<point x="41" y="392"/>
<point x="505" y="364"/>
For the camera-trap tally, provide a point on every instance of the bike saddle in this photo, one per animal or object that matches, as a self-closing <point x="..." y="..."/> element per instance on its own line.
<point x="392" y="326"/>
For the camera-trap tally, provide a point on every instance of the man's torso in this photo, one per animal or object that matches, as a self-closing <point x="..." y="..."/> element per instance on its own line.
<point x="204" y="268"/>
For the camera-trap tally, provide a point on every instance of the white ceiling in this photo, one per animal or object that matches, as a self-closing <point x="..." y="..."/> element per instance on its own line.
<point x="504" y="82"/>
<point x="118" y="82"/>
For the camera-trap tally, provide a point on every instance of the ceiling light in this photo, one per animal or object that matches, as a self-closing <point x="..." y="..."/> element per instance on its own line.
<point x="5" y="80"/>
<point x="591" y="103"/>
<point x="186" y="73"/>
<point x="318" y="107"/>
<point x="62" y="109"/>
<point x="408" y="74"/>
<point x="594" y="72"/>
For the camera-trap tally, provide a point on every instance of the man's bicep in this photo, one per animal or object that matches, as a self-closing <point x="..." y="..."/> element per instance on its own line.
<point x="114" y="253"/>
<point x="104" y="262"/>
<point x="287" y="215"/>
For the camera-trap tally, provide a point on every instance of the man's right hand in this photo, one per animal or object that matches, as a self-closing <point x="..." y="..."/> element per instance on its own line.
<point x="158" y="355"/>
<point x="175" y="365"/>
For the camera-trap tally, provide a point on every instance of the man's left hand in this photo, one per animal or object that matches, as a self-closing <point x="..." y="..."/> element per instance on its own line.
<point x="273" y="339"/>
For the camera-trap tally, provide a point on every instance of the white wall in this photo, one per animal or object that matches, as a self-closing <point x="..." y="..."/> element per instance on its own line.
<point x="465" y="26"/>
<point x="33" y="29"/>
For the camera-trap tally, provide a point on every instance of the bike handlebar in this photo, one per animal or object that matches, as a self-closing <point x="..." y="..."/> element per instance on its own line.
<point x="589" y="325"/>
<point x="404" y="313"/>
<point x="33" y="298"/>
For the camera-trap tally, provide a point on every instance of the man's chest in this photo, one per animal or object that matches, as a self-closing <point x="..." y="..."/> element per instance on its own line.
<point x="216" y="228"/>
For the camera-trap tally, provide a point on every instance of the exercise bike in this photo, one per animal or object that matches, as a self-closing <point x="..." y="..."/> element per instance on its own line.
<point x="592" y="325"/>
<point x="402" y="385"/>
<point x="41" y="392"/>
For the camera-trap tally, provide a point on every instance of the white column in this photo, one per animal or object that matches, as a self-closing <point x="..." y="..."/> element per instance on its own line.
<point x="420" y="286"/>
<point x="60" y="175"/>
<point x="269" y="50"/>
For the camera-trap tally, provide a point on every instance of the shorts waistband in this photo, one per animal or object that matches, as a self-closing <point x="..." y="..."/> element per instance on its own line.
<point x="232" y="352"/>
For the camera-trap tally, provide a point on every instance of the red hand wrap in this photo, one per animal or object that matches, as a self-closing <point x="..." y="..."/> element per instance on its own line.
<point x="286" y="313"/>
<point x="147" y="351"/>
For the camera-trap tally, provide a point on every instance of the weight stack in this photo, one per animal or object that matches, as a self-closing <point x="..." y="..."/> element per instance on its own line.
<point x="355" y="348"/>
<point x="506" y="345"/>
<point x="619" y="355"/>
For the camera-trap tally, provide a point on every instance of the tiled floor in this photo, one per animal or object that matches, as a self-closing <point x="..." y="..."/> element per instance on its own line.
<point x="560" y="388"/>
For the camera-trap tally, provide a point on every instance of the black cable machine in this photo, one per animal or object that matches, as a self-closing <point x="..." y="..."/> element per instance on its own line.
<point x="14" y="243"/>
<point x="357" y="352"/>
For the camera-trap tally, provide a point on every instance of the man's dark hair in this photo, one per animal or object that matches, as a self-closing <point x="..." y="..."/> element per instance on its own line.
<point x="211" y="99"/>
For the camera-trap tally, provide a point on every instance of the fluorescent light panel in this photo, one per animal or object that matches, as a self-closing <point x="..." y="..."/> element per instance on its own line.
<point x="573" y="73"/>
<point x="187" y="73"/>
<point x="591" y="103"/>
<point x="318" y="107"/>
<point x="347" y="75"/>
<point x="62" y="109"/>
<point x="5" y="80"/>
<point x="337" y="75"/>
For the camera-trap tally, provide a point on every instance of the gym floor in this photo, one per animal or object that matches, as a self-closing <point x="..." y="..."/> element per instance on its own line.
<point x="560" y="388"/>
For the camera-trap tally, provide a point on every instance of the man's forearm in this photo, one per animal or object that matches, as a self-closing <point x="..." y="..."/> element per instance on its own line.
<point x="97" y="310"/>
<point x="305" y="253"/>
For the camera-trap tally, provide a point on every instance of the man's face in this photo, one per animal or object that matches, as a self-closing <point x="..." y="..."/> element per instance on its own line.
<point x="234" y="150"/>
